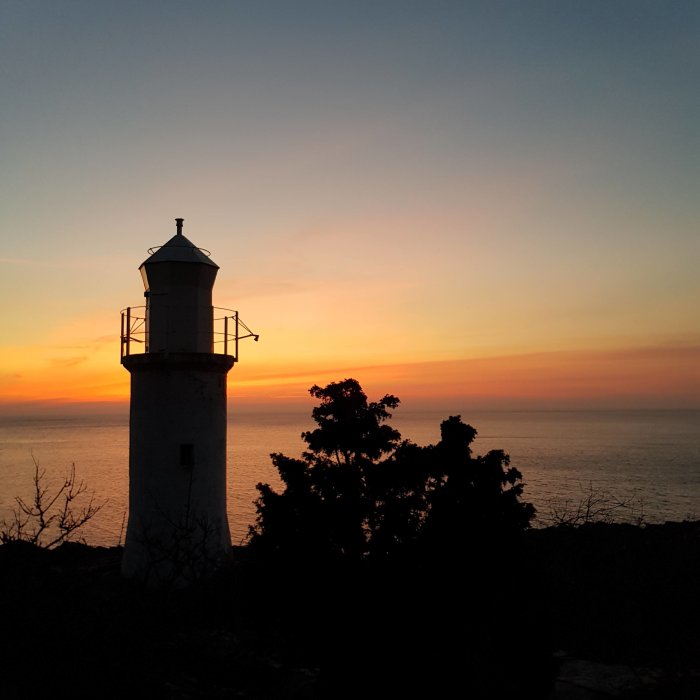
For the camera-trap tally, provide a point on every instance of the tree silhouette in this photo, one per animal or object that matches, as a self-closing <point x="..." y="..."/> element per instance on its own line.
<point x="350" y="430"/>
<point x="476" y="500"/>
<point x="359" y="491"/>
<point x="324" y="509"/>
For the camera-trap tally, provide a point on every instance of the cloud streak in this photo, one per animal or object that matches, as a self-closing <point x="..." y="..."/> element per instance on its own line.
<point x="624" y="377"/>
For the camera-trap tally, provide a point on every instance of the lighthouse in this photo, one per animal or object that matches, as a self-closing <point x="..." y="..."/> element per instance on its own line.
<point x="178" y="350"/>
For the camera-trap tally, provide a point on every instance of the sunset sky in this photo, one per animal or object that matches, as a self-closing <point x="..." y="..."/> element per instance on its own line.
<point x="490" y="204"/>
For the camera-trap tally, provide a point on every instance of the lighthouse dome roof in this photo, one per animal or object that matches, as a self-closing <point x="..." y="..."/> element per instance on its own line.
<point x="179" y="249"/>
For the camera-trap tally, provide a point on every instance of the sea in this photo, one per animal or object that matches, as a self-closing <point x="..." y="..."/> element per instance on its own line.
<point x="645" y="463"/>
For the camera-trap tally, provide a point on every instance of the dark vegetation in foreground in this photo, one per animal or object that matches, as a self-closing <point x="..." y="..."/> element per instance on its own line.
<point x="617" y="594"/>
<point x="383" y="569"/>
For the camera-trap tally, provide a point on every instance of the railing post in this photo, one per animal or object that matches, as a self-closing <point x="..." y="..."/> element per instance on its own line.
<point x="128" y="330"/>
<point x="121" y="339"/>
<point x="225" y="335"/>
<point x="236" y="336"/>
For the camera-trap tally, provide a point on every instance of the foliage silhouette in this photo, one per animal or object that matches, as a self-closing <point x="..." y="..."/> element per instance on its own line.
<point x="325" y="508"/>
<point x="361" y="492"/>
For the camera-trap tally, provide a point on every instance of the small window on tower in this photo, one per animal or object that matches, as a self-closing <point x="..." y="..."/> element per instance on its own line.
<point x="187" y="455"/>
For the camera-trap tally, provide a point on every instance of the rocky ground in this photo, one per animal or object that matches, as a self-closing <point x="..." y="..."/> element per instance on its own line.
<point x="611" y="611"/>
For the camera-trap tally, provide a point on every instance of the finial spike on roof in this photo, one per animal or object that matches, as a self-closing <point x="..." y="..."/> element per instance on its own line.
<point x="178" y="223"/>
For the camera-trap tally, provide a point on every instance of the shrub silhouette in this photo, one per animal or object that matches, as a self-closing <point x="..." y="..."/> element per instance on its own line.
<point x="325" y="508"/>
<point x="361" y="492"/>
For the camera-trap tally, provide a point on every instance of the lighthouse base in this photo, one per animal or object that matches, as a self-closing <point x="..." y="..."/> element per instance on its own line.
<point x="175" y="554"/>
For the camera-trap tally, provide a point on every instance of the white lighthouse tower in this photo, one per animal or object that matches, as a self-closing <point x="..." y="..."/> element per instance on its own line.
<point x="178" y="354"/>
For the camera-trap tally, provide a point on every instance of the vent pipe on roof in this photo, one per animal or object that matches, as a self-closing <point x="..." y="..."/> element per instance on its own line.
<point x="178" y="223"/>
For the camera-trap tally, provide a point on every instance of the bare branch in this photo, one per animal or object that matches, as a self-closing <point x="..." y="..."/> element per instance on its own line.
<point x="596" y="506"/>
<point x="49" y="513"/>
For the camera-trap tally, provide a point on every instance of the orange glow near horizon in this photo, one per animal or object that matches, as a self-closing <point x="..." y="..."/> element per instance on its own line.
<point x="643" y="378"/>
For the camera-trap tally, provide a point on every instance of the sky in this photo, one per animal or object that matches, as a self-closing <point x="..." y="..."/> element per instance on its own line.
<point x="466" y="204"/>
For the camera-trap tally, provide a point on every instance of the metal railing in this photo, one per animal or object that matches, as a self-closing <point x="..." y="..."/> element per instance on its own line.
<point x="231" y="333"/>
<point x="133" y="329"/>
<point x="227" y="330"/>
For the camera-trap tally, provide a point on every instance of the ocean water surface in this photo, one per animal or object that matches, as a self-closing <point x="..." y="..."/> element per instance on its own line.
<point x="651" y="458"/>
